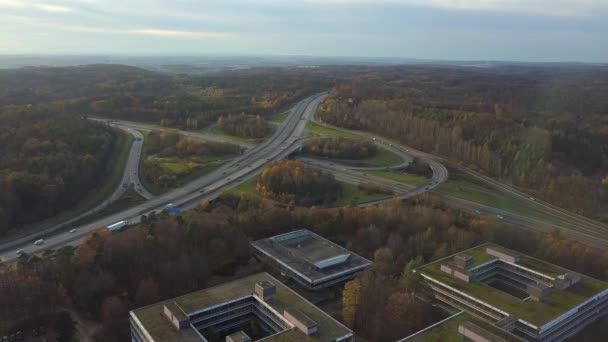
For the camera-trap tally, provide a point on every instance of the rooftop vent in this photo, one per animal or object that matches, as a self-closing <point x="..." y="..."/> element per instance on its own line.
<point x="463" y="261"/>
<point x="538" y="292"/>
<point x="503" y="255"/>
<point x="265" y="290"/>
<point x="566" y="280"/>
<point x="238" y="337"/>
<point x="176" y="315"/>
<point x="301" y="321"/>
<point x="477" y="334"/>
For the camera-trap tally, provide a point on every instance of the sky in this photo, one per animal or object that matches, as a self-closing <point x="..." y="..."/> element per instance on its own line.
<point x="506" y="30"/>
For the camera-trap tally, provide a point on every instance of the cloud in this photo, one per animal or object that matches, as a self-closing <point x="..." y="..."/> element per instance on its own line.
<point x="35" y="5"/>
<point x="565" y="8"/>
<point x="158" y="32"/>
<point x="182" y="34"/>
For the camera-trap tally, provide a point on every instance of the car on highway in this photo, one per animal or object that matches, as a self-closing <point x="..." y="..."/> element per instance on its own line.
<point x="39" y="242"/>
<point x="19" y="252"/>
<point x="500" y="217"/>
<point x="72" y="231"/>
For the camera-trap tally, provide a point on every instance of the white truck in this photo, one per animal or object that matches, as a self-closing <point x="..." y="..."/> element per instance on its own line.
<point x="114" y="227"/>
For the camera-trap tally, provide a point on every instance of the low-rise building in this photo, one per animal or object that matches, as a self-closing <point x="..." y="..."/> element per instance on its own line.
<point x="309" y="259"/>
<point x="255" y="308"/>
<point x="462" y="327"/>
<point x="527" y="297"/>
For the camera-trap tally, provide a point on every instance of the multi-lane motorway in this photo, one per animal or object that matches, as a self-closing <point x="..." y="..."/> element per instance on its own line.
<point x="285" y="140"/>
<point x="130" y="177"/>
<point x="575" y="226"/>
<point x="288" y="138"/>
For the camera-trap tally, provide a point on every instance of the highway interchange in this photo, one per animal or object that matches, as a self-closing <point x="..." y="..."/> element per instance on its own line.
<point x="287" y="139"/>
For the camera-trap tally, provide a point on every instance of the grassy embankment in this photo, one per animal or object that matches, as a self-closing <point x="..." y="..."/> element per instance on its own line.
<point x="351" y="194"/>
<point x="280" y="118"/>
<point x="185" y="169"/>
<point x="214" y="130"/>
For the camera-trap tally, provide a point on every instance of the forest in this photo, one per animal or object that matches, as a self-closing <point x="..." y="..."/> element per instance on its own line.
<point x="542" y="129"/>
<point x="288" y="181"/>
<point x="49" y="161"/>
<point x="245" y="126"/>
<point x="181" y="101"/>
<point x="109" y="274"/>
<point x="340" y="148"/>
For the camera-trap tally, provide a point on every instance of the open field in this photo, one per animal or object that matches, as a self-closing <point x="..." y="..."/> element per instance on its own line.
<point x="185" y="169"/>
<point x="351" y="194"/>
<point x="218" y="132"/>
<point x="280" y="117"/>
<point x="383" y="158"/>
<point x="402" y="177"/>
<point x="317" y="130"/>
<point x="247" y="187"/>
<point x="127" y="200"/>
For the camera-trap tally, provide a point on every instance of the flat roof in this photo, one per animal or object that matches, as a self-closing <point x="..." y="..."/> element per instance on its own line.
<point x="160" y="329"/>
<point x="309" y="255"/>
<point x="447" y="330"/>
<point x="556" y="303"/>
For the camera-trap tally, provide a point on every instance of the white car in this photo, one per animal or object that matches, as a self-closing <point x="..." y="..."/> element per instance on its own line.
<point x="72" y="231"/>
<point x="500" y="217"/>
<point x="39" y="242"/>
<point x="19" y="252"/>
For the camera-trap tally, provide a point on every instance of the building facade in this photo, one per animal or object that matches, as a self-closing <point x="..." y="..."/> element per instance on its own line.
<point x="532" y="299"/>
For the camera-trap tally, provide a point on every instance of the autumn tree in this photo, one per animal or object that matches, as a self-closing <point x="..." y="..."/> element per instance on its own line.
<point x="350" y="301"/>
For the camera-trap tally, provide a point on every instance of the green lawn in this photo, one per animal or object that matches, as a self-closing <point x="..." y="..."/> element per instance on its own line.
<point x="402" y="177"/>
<point x="352" y="195"/>
<point x="317" y="130"/>
<point x="247" y="187"/>
<point x="474" y="193"/>
<point x="281" y="117"/>
<point x="216" y="131"/>
<point x="382" y="158"/>
<point x="207" y="167"/>
<point x="185" y="169"/>
<point x="127" y="200"/>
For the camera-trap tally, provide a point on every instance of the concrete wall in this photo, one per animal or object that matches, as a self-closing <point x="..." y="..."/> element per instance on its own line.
<point x="508" y="257"/>
<point x="302" y="326"/>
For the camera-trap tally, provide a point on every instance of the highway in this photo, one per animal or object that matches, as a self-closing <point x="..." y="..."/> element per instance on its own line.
<point x="288" y="138"/>
<point x="130" y="176"/>
<point x="570" y="224"/>
<point x="284" y="141"/>
<point x="146" y="127"/>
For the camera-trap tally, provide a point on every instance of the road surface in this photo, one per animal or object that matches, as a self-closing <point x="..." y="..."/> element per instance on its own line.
<point x="286" y="139"/>
<point x="570" y="224"/>
<point x="130" y="176"/>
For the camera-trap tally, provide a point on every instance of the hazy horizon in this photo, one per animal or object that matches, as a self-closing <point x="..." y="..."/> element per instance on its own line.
<point x="443" y="30"/>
